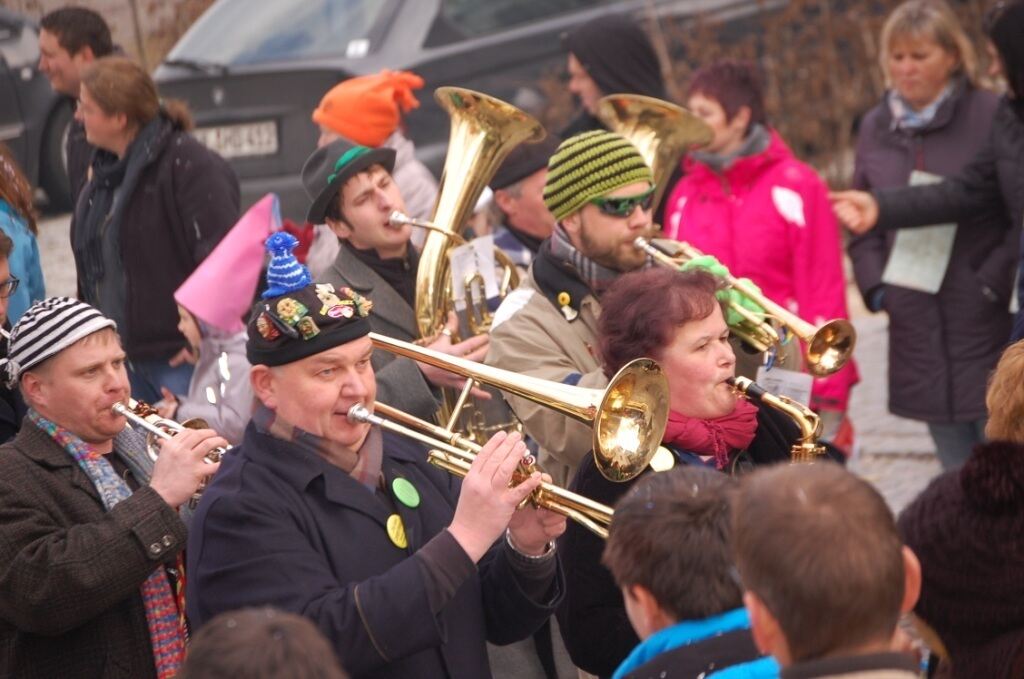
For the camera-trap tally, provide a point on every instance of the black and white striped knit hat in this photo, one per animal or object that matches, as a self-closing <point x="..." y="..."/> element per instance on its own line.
<point x="591" y="165"/>
<point x="46" y="329"/>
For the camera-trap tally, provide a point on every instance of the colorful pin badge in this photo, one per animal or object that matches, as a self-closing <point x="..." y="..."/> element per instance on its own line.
<point x="291" y="311"/>
<point x="406" y="493"/>
<point x="564" y="302"/>
<point x="266" y="327"/>
<point x="396" y="531"/>
<point x="308" y="328"/>
<point x="325" y="292"/>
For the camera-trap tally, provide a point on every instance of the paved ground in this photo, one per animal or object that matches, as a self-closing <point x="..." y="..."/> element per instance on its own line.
<point x="893" y="453"/>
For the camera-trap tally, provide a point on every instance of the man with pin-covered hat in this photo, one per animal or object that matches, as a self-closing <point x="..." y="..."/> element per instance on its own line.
<point x="406" y="570"/>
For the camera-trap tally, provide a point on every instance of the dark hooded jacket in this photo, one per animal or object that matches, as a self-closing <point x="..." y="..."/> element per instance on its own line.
<point x="178" y="200"/>
<point x="942" y="346"/>
<point x="619" y="57"/>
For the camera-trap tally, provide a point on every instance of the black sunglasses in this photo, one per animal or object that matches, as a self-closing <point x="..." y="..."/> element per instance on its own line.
<point x="623" y="207"/>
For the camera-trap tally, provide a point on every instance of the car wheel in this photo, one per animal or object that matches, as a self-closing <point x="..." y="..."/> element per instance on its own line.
<point x="53" y="160"/>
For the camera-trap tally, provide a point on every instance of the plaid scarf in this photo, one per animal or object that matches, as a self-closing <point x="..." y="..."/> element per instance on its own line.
<point x="165" y="631"/>
<point x="364" y="464"/>
<point x="596" y="276"/>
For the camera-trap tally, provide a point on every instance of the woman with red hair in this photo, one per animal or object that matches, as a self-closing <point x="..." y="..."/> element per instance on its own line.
<point x="747" y="200"/>
<point x="683" y="328"/>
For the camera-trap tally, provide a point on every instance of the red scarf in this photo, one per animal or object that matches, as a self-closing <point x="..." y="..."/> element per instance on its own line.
<point x="717" y="437"/>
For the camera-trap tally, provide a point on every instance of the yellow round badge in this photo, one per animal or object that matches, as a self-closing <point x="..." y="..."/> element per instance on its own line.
<point x="396" y="531"/>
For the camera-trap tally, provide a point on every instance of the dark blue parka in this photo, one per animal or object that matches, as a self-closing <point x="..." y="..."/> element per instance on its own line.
<point x="280" y="526"/>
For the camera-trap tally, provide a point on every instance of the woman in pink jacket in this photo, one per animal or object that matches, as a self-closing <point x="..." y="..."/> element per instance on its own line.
<point x="765" y="215"/>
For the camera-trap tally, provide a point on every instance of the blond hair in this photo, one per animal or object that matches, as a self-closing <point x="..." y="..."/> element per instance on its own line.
<point x="932" y="19"/>
<point x="1005" y="397"/>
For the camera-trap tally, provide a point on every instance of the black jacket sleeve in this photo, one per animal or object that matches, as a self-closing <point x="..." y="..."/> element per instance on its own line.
<point x="974" y="191"/>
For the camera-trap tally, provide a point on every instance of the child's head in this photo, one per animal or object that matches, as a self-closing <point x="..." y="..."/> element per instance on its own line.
<point x="824" y="569"/>
<point x="668" y="548"/>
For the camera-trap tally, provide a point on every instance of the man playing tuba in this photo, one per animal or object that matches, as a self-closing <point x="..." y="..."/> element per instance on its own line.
<point x="354" y="193"/>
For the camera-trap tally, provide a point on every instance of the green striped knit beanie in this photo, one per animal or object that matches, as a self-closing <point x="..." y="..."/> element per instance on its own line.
<point x="591" y="165"/>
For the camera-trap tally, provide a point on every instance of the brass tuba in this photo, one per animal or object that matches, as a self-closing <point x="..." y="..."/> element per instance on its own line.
<point x="660" y="130"/>
<point x="483" y="131"/>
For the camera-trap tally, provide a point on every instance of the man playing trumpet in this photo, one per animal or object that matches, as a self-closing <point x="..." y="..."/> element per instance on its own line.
<point x="405" y="573"/>
<point x="89" y="532"/>
<point x="600" y="191"/>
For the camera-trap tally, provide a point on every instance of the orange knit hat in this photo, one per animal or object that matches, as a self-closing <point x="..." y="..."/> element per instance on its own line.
<point x="367" y="109"/>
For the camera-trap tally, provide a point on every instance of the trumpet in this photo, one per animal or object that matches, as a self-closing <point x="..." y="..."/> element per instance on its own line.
<point x="455" y="453"/>
<point x="146" y="417"/>
<point x="628" y="417"/>
<point x="807" y="448"/>
<point x="829" y="346"/>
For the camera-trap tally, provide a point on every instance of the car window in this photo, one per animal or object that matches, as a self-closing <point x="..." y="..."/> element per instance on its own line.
<point x="462" y="19"/>
<point x="238" y="32"/>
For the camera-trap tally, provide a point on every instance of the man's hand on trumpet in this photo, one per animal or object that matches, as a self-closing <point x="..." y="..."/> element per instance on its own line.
<point x="180" y="467"/>
<point x="473" y="349"/>
<point x="488" y="504"/>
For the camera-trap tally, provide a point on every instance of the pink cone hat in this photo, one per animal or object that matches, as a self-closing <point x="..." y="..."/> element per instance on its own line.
<point x="221" y="289"/>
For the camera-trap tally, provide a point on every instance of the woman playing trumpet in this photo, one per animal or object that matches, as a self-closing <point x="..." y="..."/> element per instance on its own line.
<point x="684" y="329"/>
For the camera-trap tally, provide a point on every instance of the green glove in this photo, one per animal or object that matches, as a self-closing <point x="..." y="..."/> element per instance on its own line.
<point x="732" y="295"/>
<point x="729" y="296"/>
<point x="708" y="263"/>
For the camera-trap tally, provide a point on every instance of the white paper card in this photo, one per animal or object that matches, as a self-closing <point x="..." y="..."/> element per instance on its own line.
<point x="782" y="382"/>
<point x="476" y="256"/>
<point x="920" y="256"/>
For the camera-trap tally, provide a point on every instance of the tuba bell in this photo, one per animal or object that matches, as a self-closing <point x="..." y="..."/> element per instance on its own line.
<point x="660" y="130"/>
<point x="483" y="132"/>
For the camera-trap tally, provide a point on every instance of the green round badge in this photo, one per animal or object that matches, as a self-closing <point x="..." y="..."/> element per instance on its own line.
<point x="406" y="492"/>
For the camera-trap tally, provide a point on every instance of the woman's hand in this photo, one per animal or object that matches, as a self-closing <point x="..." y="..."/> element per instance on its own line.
<point x="858" y="210"/>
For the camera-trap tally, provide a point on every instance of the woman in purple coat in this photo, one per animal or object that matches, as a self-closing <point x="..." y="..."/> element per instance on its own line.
<point x="946" y="333"/>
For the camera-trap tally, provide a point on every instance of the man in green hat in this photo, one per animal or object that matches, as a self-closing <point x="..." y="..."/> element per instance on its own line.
<point x="354" y="193"/>
<point x="405" y="570"/>
<point x="600" y="191"/>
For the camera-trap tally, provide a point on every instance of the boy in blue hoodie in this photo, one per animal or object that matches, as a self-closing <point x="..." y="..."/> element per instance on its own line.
<point x="668" y="550"/>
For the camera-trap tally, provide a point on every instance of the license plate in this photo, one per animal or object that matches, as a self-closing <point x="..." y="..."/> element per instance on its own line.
<point x="239" y="141"/>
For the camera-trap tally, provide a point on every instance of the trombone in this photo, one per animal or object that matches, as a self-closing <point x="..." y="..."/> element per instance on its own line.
<point x="628" y="417"/>
<point x="455" y="453"/>
<point x="829" y="346"/>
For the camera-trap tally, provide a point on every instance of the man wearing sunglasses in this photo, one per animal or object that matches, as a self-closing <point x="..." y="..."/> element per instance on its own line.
<point x="12" y="407"/>
<point x="600" y="191"/>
